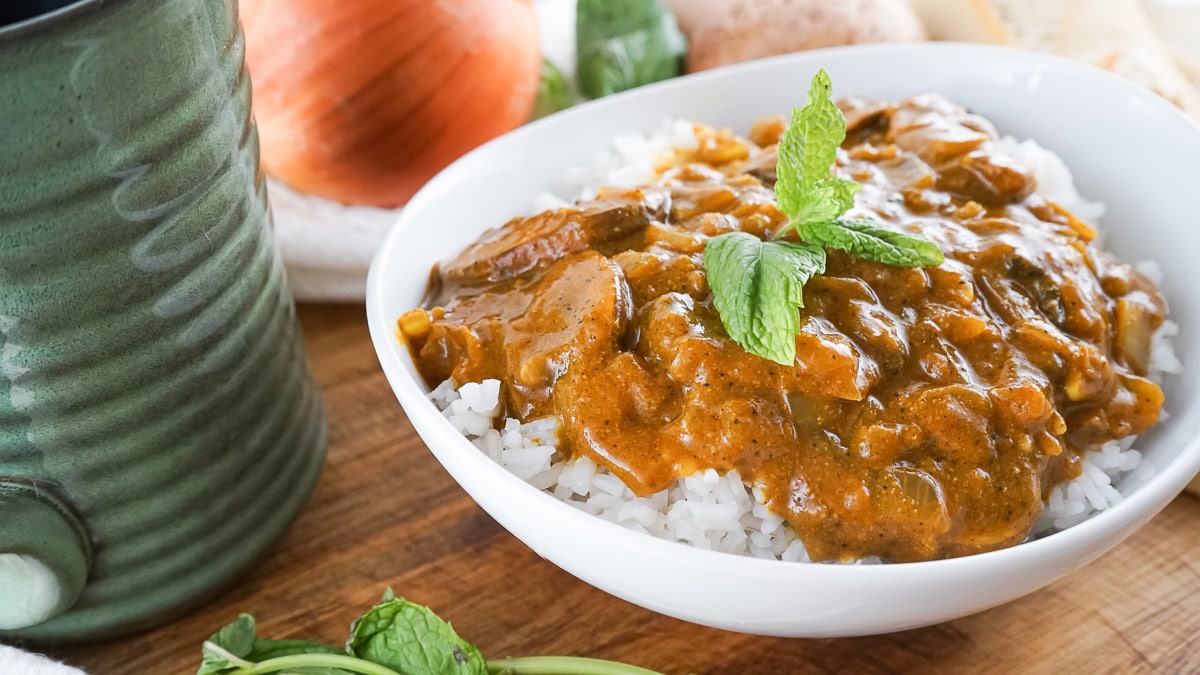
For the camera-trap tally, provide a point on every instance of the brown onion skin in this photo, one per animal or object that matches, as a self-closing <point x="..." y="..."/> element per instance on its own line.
<point x="363" y="101"/>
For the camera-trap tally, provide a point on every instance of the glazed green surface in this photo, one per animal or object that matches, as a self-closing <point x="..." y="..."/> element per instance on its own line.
<point x="151" y="366"/>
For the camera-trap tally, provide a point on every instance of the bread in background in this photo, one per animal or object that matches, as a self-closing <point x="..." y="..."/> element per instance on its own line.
<point x="1189" y="64"/>
<point x="721" y="32"/>
<point x="1114" y="34"/>
<point x="1178" y="23"/>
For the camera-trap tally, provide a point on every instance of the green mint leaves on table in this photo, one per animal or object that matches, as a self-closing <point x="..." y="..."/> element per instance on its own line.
<point x="395" y="637"/>
<point x="237" y="649"/>
<point x="757" y="285"/>
<point x="621" y="44"/>
<point x="410" y="638"/>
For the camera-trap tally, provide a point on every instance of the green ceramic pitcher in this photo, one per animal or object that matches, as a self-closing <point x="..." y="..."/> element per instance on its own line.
<point x="158" y="425"/>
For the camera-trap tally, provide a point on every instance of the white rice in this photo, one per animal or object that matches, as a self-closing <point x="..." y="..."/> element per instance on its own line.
<point x="721" y="513"/>
<point x="705" y="510"/>
<point x="1054" y="180"/>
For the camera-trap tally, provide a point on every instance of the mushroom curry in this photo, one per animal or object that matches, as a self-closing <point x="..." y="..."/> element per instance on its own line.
<point x="929" y="410"/>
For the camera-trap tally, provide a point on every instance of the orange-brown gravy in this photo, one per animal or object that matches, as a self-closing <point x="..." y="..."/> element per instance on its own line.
<point x="929" y="411"/>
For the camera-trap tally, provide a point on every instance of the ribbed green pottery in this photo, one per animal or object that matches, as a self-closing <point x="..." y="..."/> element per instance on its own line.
<point x="158" y="424"/>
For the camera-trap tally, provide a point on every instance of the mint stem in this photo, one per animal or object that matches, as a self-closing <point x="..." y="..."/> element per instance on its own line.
<point x="782" y="232"/>
<point x="563" y="665"/>
<point x="354" y="665"/>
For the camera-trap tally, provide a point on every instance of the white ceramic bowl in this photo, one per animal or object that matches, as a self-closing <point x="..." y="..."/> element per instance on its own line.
<point x="1126" y="147"/>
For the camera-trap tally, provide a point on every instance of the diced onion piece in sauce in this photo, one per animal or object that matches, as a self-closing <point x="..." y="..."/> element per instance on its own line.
<point x="415" y="324"/>
<point x="1081" y="228"/>
<point x="1135" y="333"/>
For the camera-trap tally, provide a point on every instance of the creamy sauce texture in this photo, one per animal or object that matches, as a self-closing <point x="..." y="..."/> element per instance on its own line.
<point x="929" y="411"/>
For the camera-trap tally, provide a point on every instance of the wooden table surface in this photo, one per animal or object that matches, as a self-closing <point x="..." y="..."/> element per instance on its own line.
<point x="386" y="514"/>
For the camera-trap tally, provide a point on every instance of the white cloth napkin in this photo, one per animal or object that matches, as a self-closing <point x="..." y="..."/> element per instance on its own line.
<point x="13" y="661"/>
<point x="326" y="246"/>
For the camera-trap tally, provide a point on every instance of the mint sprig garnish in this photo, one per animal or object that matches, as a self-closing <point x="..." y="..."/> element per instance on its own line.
<point x="757" y="285"/>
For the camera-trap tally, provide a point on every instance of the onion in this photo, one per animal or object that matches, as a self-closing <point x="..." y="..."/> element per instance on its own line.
<point x="365" y="100"/>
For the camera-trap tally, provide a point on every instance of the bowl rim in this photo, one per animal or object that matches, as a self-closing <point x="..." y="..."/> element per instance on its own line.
<point x="1133" y="511"/>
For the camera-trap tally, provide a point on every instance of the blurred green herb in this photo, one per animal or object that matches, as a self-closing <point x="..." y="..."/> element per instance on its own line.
<point x="395" y="637"/>
<point x="555" y="92"/>
<point x="757" y="285"/>
<point x="621" y="44"/>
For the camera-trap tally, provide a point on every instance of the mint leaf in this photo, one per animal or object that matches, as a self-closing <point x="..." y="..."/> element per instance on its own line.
<point x="412" y="640"/>
<point x="269" y="649"/>
<point x="215" y="661"/>
<point x="238" y="637"/>
<point x="826" y="200"/>
<point x="272" y="649"/>
<point x="226" y="651"/>
<point x="757" y="288"/>
<point x="621" y="44"/>
<point x="235" y="649"/>
<point x="864" y="239"/>
<point x="806" y="152"/>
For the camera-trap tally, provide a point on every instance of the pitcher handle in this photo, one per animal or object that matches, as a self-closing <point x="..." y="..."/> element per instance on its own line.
<point x="45" y="553"/>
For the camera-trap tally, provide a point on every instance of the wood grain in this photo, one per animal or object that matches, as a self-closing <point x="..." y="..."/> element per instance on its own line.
<point x="386" y="514"/>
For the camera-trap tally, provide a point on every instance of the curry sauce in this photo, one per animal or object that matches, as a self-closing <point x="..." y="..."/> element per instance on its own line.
<point x="929" y="411"/>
